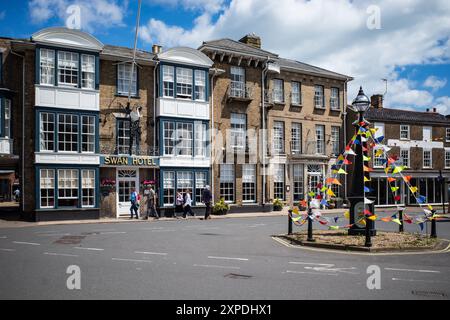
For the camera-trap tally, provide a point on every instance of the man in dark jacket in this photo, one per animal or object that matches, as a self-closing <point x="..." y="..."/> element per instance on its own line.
<point x="206" y="199"/>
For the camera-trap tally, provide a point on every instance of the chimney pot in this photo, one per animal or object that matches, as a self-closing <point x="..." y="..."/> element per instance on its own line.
<point x="156" y="49"/>
<point x="376" y="101"/>
<point x="251" y="39"/>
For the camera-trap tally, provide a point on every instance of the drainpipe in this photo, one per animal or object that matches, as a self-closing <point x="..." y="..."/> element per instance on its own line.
<point x="263" y="145"/>
<point x="154" y="115"/>
<point x="23" y="128"/>
<point x="344" y="134"/>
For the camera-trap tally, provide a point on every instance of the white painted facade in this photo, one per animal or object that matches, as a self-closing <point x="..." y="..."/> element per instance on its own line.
<point x="171" y="107"/>
<point x="6" y="146"/>
<point x="68" y="158"/>
<point x="67" y="98"/>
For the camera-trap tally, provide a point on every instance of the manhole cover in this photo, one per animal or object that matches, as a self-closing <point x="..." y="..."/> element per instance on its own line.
<point x="432" y="294"/>
<point x="237" y="276"/>
<point x="70" y="240"/>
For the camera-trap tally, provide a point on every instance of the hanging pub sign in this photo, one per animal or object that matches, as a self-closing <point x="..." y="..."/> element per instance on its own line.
<point x="134" y="161"/>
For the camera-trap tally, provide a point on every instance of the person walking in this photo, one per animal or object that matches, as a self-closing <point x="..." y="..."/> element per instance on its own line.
<point x="188" y="204"/>
<point x="134" y="204"/>
<point x="151" y="210"/>
<point x="17" y="195"/>
<point x="206" y="199"/>
<point x="179" y="203"/>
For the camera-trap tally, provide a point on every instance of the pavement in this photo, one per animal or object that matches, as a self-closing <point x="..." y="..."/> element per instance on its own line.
<point x="222" y="258"/>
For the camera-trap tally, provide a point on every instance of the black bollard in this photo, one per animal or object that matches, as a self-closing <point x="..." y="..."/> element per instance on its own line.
<point x="400" y="217"/>
<point x="433" y="225"/>
<point x="368" y="238"/>
<point x="289" y="222"/>
<point x="310" y="226"/>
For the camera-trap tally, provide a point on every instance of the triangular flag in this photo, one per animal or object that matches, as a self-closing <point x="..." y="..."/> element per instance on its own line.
<point x="363" y="139"/>
<point x="323" y="189"/>
<point x="342" y="171"/>
<point x="346" y="161"/>
<point x="356" y="142"/>
<point x="367" y="189"/>
<point x="396" y="221"/>
<point x="322" y="222"/>
<point x="413" y="189"/>
<point x="372" y="217"/>
<point x="366" y="179"/>
<point x="373" y="130"/>
<point x="324" y="202"/>
<point x="331" y="193"/>
<point x="330" y="180"/>
<point x="333" y="227"/>
<point x="365" y="158"/>
<point x="336" y="181"/>
<point x="394" y="189"/>
<point x="347" y="214"/>
<point x="379" y="152"/>
<point x="407" y="178"/>
<point x="336" y="219"/>
<point x="311" y="194"/>
<point x="364" y="149"/>
<point x="399" y="169"/>
<point x="341" y="157"/>
<point x="367" y="169"/>
<point x="350" y="151"/>
<point x="397" y="198"/>
<point x="386" y="219"/>
<point x="421" y="226"/>
<point x="391" y="179"/>
<point x="430" y="207"/>
<point x="368" y="201"/>
<point x="386" y="170"/>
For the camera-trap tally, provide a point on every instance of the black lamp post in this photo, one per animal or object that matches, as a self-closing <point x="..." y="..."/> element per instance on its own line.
<point x="356" y="195"/>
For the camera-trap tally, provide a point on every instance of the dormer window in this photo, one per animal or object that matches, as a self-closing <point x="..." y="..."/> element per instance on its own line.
<point x="68" y="68"/>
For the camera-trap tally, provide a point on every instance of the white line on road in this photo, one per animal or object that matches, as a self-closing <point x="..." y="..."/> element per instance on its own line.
<point x="7" y="249"/>
<point x="93" y="249"/>
<point x="313" y="263"/>
<point x="43" y="232"/>
<point x="159" y="228"/>
<point x="156" y="253"/>
<point x="101" y="230"/>
<point x="54" y="234"/>
<point x="112" y="232"/>
<point x="131" y="260"/>
<point x="418" y="280"/>
<point x="412" y="270"/>
<point x="228" y="258"/>
<point x="333" y="269"/>
<point x="214" y="266"/>
<point x="30" y="243"/>
<point x="318" y="273"/>
<point x="3" y="237"/>
<point x="60" y="254"/>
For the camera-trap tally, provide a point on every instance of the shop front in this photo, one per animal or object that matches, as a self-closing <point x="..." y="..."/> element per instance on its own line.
<point x="119" y="176"/>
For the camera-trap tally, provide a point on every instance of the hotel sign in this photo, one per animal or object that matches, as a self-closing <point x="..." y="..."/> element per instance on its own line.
<point x="135" y="161"/>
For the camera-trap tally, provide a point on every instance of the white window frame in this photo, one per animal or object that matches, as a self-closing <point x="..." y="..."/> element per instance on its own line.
<point x="184" y="83"/>
<point x="296" y="138"/>
<point x="184" y="138"/>
<point x="6" y="118"/>
<point x="238" y="128"/>
<point x="200" y="139"/>
<point x="278" y="137"/>
<point x="46" y="134"/>
<point x="88" y="185"/>
<point x="168" y="81"/>
<point x="201" y="180"/>
<point x="88" y="71"/>
<point x="320" y="139"/>
<point x="68" y="68"/>
<point x="296" y="93"/>
<point x="169" y="133"/>
<point x="377" y="160"/>
<point x="278" y="90"/>
<point x="279" y="182"/>
<point x="319" y="96"/>
<point x="335" y="139"/>
<point x="248" y="183"/>
<point x="123" y="136"/>
<point x="169" y="186"/>
<point x="237" y="75"/>
<point x="424" y="129"/>
<point x="227" y="182"/>
<point x="200" y="85"/>
<point x="123" y="79"/>
<point x="402" y="151"/>
<point x="404" y="128"/>
<point x="185" y="181"/>
<point x="447" y="158"/>
<point x="47" y="67"/>
<point x="88" y="132"/>
<point x="447" y="134"/>
<point x="430" y="152"/>
<point x="334" y="99"/>
<point x="68" y="137"/>
<point x="68" y="185"/>
<point x="47" y="183"/>
<point x="298" y="181"/>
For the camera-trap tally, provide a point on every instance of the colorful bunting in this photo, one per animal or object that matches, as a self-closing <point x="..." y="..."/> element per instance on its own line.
<point x="399" y="169"/>
<point x="347" y="214"/>
<point x="367" y="169"/>
<point x="390" y="179"/>
<point x="407" y="178"/>
<point x="342" y="171"/>
<point x="396" y="221"/>
<point x="331" y="193"/>
<point x="368" y="201"/>
<point x="413" y="189"/>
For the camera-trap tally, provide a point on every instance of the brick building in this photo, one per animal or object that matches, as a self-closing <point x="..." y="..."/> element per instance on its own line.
<point x="420" y="140"/>
<point x="299" y="105"/>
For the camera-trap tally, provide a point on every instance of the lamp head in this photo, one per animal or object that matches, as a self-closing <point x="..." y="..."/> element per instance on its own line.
<point x="361" y="102"/>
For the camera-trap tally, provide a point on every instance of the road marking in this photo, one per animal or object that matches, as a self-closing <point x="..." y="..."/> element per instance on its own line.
<point x="418" y="280"/>
<point x="43" y="232"/>
<point x="215" y="266"/>
<point x="313" y="263"/>
<point x="60" y="254"/>
<point x="228" y="258"/>
<point x="3" y="237"/>
<point x="93" y="249"/>
<point x="101" y="230"/>
<point x="256" y="225"/>
<point x="30" y="243"/>
<point x="163" y="230"/>
<point x="112" y="232"/>
<point x="131" y="260"/>
<point x="6" y="249"/>
<point x="412" y="270"/>
<point x="156" y="253"/>
<point x="317" y="273"/>
<point x="54" y="234"/>
<point x="333" y="269"/>
<point x="159" y="228"/>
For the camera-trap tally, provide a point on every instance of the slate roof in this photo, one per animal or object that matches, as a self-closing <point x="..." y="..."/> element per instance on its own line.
<point x="125" y="52"/>
<point x="398" y="115"/>
<point x="228" y="44"/>
<point x="307" y="68"/>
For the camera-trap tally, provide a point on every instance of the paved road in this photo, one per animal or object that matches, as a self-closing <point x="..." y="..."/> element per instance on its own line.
<point x="193" y="259"/>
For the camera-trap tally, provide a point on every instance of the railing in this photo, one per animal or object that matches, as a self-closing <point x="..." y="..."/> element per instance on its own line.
<point x="143" y="150"/>
<point x="239" y="90"/>
<point x="6" y="146"/>
<point x="271" y="97"/>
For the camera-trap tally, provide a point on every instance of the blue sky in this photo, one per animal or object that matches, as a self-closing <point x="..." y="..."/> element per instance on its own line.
<point x="410" y="44"/>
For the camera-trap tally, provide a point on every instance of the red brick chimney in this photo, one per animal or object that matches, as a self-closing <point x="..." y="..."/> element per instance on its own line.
<point x="251" y="39"/>
<point x="377" y="101"/>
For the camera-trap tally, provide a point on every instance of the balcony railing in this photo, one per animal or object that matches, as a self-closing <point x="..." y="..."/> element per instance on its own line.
<point x="112" y="148"/>
<point x="273" y="97"/>
<point x="240" y="91"/>
<point x="6" y="146"/>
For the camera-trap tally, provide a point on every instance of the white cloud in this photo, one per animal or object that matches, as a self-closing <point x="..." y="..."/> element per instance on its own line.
<point x="333" y="35"/>
<point x="435" y="83"/>
<point x="210" y="6"/>
<point x="95" y="14"/>
<point x="443" y="105"/>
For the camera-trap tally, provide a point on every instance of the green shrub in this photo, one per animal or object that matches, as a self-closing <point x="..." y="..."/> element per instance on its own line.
<point x="277" y="204"/>
<point x="220" y="207"/>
